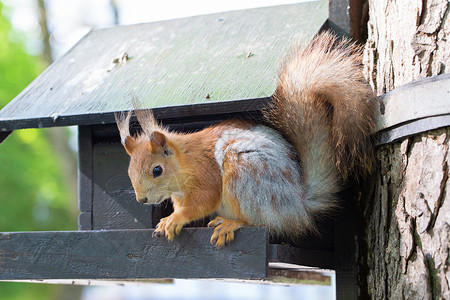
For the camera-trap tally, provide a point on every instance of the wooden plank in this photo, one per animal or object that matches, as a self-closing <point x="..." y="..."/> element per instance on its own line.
<point x="85" y="221"/>
<point x="98" y="282"/>
<point x="285" y="275"/>
<point x="313" y="250"/>
<point x="130" y="254"/>
<point x="85" y="177"/>
<point x="228" y="56"/>
<point x="298" y="276"/>
<point x="170" y="112"/>
<point x="186" y="122"/>
<point x="345" y="253"/>
<point x="339" y="16"/>
<point x="304" y="257"/>
<point x="85" y="168"/>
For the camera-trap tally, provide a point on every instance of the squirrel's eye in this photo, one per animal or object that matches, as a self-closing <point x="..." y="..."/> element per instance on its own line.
<point x="157" y="171"/>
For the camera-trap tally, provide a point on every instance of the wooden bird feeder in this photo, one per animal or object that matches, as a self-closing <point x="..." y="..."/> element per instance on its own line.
<point x="192" y="72"/>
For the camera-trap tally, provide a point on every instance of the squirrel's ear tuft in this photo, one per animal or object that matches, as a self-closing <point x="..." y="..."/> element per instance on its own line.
<point x="129" y="145"/>
<point x="158" y="142"/>
<point x="123" y="124"/>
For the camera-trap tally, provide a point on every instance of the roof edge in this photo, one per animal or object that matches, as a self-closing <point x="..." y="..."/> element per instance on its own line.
<point x="99" y="118"/>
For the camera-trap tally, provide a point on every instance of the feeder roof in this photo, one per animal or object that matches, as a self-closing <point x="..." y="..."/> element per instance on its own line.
<point x="184" y="66"/>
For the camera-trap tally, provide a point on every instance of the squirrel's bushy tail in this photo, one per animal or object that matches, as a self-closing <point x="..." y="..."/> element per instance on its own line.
<point x="326" y="110"/>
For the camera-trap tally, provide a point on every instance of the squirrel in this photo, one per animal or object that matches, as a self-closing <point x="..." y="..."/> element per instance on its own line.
<point x="281" y="176"/>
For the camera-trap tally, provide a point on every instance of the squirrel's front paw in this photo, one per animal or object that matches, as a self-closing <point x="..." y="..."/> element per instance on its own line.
<point x="169" y="226"/>
<point x="224" y="231"/>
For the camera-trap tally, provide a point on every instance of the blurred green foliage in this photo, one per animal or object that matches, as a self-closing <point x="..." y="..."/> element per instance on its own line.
<point x="33" y="191"/>
<point x="25" y="291"/>
<point x="32" y="188"/>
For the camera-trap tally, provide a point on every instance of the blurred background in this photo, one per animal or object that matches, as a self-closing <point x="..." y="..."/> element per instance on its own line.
<point x="38" y="180"/>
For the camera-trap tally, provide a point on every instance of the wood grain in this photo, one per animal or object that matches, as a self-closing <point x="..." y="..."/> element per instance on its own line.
<point x="113" y="200"/>
<point x="119" y="254"/>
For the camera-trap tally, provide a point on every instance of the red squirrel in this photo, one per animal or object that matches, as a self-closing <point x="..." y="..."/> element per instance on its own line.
<point x="246" y="174"/>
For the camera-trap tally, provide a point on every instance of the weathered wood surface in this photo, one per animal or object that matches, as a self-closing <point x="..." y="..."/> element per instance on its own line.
<point x="196" y="60"/>
<point x="85" y="170"/>
<point x="339" y="16"/>
<point x="298" y="276"/>
<point x="345" y="252"/>
<point x="131" y="254"/>
<point x="113" y="201"/>
<point x="404" y="247"/>
<point x="4" y="135"/>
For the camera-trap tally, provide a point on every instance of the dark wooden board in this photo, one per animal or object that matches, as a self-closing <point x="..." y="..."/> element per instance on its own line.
<point x="131" y="254"/>
<point x="85" y="168"/>
<point x="85" y="185"/>
<point x="109" y="133"/>
<point x="85" y="221"/>
<point x="171" y="112"/>
<point x="299" y="256"/>
<point x="4" y="135"/>
<point x="114" y="203"/>
<point x="345" y="252"/>
<point x="339" y="16"/>
<point x="207" y="59"/>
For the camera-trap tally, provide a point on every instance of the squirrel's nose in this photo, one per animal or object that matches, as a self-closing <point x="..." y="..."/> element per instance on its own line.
<point x="142" y="200"/>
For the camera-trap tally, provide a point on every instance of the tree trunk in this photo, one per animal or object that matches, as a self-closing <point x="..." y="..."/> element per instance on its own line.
<point x="405" y="241"/>
<point x="57" y="136"/>
<point x="47" y="51"/>
<point x="407" y="40"/>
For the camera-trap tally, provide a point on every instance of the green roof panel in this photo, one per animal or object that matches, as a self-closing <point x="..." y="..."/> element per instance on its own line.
<point x="176" y="65"/>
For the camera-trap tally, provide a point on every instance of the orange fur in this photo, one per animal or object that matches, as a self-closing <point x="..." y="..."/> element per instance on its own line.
<point x="194" y="183"/>
<point x="230" y="174"/>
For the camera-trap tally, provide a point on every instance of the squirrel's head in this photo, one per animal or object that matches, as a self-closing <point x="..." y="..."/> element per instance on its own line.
<point x="153" y="166"/>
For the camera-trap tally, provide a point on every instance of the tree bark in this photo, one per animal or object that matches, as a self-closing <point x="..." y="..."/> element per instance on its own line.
<point x="405" y="241"/>
<point x="47" y="51"/>
<point x="407" y="40"/>
<point x="407" y="221"/>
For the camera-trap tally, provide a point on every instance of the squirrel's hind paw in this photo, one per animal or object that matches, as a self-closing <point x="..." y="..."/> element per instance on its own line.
<point x="224" y="231"/>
